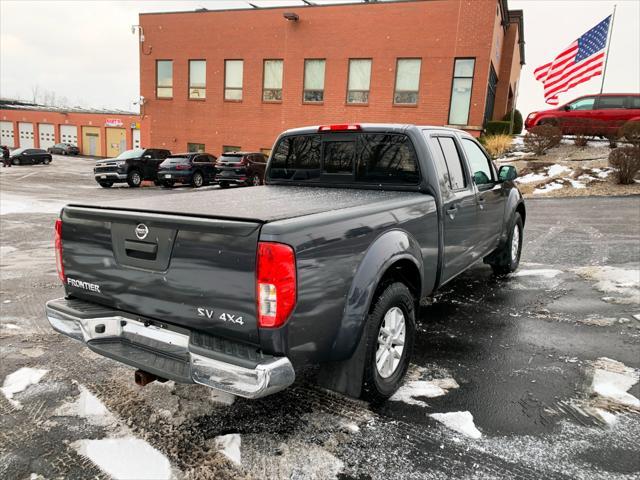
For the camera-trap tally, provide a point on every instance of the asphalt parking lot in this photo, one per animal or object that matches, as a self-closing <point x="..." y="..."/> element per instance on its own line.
<point x="530" y="376"/>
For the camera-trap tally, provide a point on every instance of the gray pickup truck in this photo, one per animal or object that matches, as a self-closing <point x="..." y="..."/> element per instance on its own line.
<point x="324" y="266"/>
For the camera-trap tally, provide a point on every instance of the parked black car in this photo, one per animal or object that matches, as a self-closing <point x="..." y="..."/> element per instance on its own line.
<point x="132" y="166"/>
<point x="324" y="266"/>
<point x="197" y="169"/>
<point x="64" y="149"/>
<point x="241" y="168"/>
<point x="32" y="156"/>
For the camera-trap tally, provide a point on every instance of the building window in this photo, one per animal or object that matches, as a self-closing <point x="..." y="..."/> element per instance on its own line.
<point x="233" y="79"/>
<point x="197" y="79"/>
<point x="407" y="81"/>
<point x="230" y="148"/>
<point x="272" y="81"/>
<point x="461" y="91"/>
<point x="313" y="80"/>
<point x="195" y="147"/>
<point x="359" y="80"/>
<point x="164" y="78"/>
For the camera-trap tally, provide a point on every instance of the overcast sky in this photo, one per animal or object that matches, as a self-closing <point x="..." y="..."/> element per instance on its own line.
<point x="84" y="50"/>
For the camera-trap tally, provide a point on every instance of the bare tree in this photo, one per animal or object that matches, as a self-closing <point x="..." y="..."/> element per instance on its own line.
<point x="35" y="93"/>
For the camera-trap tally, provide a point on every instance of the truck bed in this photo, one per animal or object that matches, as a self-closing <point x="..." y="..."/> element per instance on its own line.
<point x="255" y="204"/>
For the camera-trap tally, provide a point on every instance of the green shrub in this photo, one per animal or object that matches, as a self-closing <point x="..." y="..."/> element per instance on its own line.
<point x="541" y="138"/>
<point x="626" y="161"/>
<point x="517" y="121"/>
<point x="497" y="128"/>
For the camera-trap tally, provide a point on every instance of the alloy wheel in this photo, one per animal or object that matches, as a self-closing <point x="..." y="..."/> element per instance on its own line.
<point x="391" y="339"/>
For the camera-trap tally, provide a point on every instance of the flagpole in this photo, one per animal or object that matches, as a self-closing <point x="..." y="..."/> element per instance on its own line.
<point x="606" y="58"/>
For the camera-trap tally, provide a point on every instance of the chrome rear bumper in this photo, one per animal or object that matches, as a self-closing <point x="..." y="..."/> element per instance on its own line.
<point x="172" y="353"/>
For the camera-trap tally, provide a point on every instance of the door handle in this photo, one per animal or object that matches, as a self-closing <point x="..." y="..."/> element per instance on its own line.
<point x="481" y="201"/>
<point x="451" y="211"/>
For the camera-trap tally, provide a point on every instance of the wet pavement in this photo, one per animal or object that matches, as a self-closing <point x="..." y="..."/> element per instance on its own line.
<point x="545" y="362"/>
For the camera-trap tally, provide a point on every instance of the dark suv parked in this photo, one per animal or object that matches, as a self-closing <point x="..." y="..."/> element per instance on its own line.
<point x="64" y="149"/>
<point x="25" y="156"/>
<point x="132" y="166"/>
<point x="241" y="168"/>
<point x="198" y="169"/>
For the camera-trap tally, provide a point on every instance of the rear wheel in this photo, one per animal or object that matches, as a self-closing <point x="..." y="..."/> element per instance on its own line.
<point x="16" y="161"/>
<point x="106" y="184"/>
<point x="255" y="180"/>
<point x="507" y="258"/>
<point x="224" y="184"/>
<point x="46" y="161"/>
<point x="197" y="180"/>
<point x="134" y="179"/>
<point x="390" y="331"/>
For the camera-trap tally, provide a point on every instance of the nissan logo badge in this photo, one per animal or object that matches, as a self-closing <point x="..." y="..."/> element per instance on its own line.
<point x="142" y="231"/>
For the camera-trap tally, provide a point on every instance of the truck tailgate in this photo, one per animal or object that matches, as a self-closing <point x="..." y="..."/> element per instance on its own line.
<point x="194" y="272"/>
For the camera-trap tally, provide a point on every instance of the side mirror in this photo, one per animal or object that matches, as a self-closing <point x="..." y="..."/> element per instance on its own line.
<point x="507" y="173"/>
<point x="567" y="108"/>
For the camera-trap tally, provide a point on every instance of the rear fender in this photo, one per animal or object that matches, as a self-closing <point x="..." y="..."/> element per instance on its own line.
<point x="388" y="248"/>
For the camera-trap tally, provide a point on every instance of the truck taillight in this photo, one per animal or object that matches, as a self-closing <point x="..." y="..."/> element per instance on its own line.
<point x="276" y="283"/>
<point x="58" y="247"/>
<point x="339" y="127"/>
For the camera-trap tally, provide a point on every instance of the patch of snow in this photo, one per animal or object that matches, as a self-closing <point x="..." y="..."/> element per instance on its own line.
<point x="621" y="282"/>
<point x="461" y="422"/>
<point x="126" y="458"/>
<point x="10" y="326"/>
<point x="537" y="272"/>
<point x="20" y="204"/>
<point x="229" y="446"/>
<point x="222" y="398"/>
<point x="575" y="183"/>
<point x="555" y="170"/>
<point x="548" y="188"/>
<point x="19" y="381"/>
<point x="410" y="391"/>
<point x="607" y="417"/>
<point x="612" y="380"/>
<point x="518" y="140"/>
<point x="87" y="406"/>
<point x="531" y="178"/>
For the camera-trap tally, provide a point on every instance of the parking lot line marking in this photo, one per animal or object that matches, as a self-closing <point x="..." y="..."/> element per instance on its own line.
<point x="27" y="175"/>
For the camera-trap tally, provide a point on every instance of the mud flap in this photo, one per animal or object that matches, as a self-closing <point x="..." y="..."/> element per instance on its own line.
<point x="345" y="376"/>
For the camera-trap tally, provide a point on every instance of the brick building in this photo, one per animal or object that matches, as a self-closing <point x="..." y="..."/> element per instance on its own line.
<point x="236" y="78"/>
<point x="101" y="133"/>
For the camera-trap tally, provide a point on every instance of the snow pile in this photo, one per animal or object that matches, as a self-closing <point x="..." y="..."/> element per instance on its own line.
<point x="537" y="272"/>
<point x="19" y="381"/>
<point x="229" y="446"/>
<point x="531" y="178"/>
<point x="126" y="458"/>
<point x="412" y="390"/>
<point x="549" y="187"/>
<point x="461" y="422"/>
<point x="555" y="170"/>
<point x="621" y="282"/>
<point x="87" y="406"/>
<point x="612" y="380"/>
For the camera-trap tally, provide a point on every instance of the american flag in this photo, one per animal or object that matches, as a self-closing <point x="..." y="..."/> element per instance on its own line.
<point x="579" y="62"/>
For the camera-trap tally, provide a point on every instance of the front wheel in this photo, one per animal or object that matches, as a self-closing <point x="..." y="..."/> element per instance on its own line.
<point x="255" y="180"/>
<point x="46" y="161"/>
<point x="390" y="331"/>
<point x="507" y="258"/>
<point x="134" y="179"/>
<point x="16" y="161"/>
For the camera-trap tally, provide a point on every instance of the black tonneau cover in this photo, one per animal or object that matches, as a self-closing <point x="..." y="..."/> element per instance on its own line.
<point x="259" y="204"/>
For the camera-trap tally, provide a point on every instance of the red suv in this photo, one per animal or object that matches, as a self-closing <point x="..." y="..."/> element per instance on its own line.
<point x="601" y="114"/>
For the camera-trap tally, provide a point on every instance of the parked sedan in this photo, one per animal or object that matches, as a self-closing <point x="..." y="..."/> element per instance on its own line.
<point x="30" y="156"/>
<point x="196" y="169"/>
<point x="64" y="149"/>
<point x="241" y="168"/>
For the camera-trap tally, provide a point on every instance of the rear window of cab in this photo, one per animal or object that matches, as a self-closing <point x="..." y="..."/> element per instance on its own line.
<point x="374" y="158"/>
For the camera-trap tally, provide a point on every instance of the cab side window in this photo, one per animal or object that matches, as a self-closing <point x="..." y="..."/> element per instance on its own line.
<point x="610" y="103"/>
<point x="480" y="165"/>
<point x="457" y="180"/>
<point x="583" y="104"/>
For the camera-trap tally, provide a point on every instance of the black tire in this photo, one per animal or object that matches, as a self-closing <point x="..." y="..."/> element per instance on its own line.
<point x="64" y="152"/>
<point x="134" y="178"/>
<point x="46" y="161"/>
<point x="255" y="181"/>
<point x="505" y="259"/>
<point x="167" y="184"/>
<point x="197" y="180"/>
<point x="375" y="387"/>
<point x="224" y="184"/>
<point x="105" y="184"/>
<point x="16" y="161"/>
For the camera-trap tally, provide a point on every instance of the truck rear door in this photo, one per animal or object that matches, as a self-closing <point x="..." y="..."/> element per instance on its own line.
<point x="194" y="272"/>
